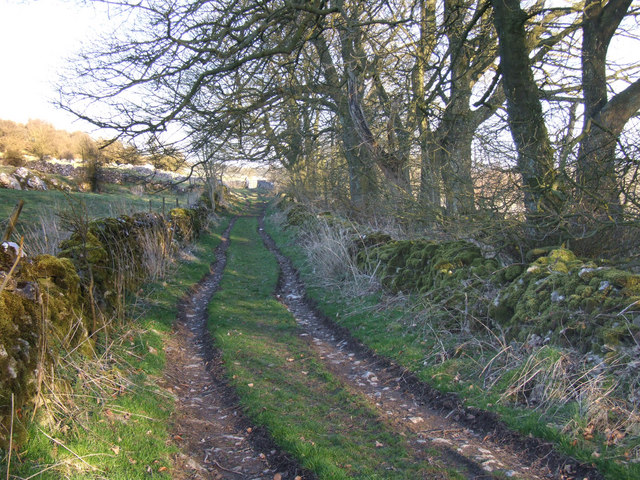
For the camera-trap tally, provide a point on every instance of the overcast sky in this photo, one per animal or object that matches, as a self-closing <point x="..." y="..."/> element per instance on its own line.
<point x="36" y="36"/>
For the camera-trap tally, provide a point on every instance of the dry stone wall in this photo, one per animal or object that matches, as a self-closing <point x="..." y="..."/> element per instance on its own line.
<point x="46" y="301"/>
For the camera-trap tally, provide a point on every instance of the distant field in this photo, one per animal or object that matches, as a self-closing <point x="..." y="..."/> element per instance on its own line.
<point x="41" y="207"/>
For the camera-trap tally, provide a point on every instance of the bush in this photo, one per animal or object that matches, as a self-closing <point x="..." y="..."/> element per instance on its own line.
<point x="14" y="158"/>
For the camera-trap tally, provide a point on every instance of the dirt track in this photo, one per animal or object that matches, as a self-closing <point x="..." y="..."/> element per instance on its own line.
<point x="217" y="442"/>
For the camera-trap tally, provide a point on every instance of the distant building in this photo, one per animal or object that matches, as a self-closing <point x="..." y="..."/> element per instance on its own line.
<point x="265" y="185"/>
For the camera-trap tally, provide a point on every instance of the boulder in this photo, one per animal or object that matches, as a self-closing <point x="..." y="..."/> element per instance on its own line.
<point x="36" y="183"/>
<point x="21" y="173"/>
<point x="9" y="181"/>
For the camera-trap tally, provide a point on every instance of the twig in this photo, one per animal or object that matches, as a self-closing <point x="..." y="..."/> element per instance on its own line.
<point x="132" y="414"/>
<point x="62" y="463"/>
<point x="58" y="442"/>
<point x="226" y="469"/>
<point x="13" y="221"/>
<point x="10" y="438"/>
<point x="43" y="470"/>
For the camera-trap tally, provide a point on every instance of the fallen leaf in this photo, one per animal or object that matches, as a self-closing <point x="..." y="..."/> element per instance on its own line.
<point x="613" y="437"/>
<point x="250" y="385"/>
<point x="162" y="469"/>
<point x="115" y="449"/>
<point x="378" y="444"/>
<point x="277" y="476"/>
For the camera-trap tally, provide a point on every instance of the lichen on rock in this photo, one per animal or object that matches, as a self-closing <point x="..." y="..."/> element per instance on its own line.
<point x="578" y="301"/>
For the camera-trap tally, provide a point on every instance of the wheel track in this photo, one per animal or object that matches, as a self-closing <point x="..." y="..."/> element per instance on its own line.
<point x="215" y="440"/>
<point x="471" y="440"/>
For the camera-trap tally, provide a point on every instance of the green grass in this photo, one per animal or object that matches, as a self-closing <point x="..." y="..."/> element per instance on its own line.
<point x="118" y="433"/>
<point x="385" y="332"/>
<point x="42" y="203"/>
<point x="284" y="387"/>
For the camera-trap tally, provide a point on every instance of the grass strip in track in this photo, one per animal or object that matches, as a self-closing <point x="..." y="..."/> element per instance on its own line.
<point x="113" y="432"/>
<point x="285" y="388"/>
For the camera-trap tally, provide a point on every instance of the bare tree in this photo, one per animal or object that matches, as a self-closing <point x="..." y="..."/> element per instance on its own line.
<point x="528" y="129"/>
<point x="604" y="117"/>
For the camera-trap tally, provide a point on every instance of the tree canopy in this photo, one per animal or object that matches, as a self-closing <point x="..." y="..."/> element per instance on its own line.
<point x="500" y="111"/>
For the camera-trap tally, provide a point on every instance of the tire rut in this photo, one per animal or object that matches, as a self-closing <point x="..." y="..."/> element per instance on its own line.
<point x="470" y="440"/>
<point x="215" y="440"/>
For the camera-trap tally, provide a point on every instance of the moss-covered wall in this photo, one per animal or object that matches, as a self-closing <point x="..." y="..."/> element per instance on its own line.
<point x="45" y="305"/>
<point x="554" y="296"/>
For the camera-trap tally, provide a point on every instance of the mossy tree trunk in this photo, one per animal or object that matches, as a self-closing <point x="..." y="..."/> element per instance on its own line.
<point x="604" y="118"/>
<point x="535" y="163"/>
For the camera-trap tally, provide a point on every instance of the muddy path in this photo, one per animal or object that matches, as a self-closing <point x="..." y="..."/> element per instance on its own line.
<point x="474" y="442"/>
<point x="214" y="438"/>
<point x="216" y="441"/>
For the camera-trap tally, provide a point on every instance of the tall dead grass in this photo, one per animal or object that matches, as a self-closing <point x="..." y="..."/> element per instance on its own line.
<point x="46" y="236"/>
<point x="329" y="249"/>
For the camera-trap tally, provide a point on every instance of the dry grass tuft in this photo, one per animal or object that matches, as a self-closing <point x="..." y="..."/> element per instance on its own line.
<point x="46" y="236"/>
<point x="329" y="251"/>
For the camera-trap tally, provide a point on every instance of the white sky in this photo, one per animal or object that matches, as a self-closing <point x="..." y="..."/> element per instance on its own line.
<point x="36" y="36"/>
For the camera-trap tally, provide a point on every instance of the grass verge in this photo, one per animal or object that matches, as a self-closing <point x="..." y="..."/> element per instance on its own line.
<point x="457" y="363"/>
<point x="106" y="417"/>
<point x="286" y="388"/>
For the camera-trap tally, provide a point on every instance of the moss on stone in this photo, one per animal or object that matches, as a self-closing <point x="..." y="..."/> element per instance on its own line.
<point x="299" y="215"/>
<point x="110" y="250"/>
<point x="423" y="265"/>
<point x="185" y="223"/>
<point x="512" y="272"/>
<point x="19" y="340"/>
<point x="557" y="295"/>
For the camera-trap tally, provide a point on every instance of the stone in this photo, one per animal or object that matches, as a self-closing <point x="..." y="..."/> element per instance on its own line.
<point x="36" y="183"/>
<point x="9" y="252"/>
<point x="21" y="173"/>
<point x="9" y="181"/>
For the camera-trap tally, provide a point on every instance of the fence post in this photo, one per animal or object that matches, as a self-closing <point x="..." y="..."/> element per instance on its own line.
<point x="13" y="221"/>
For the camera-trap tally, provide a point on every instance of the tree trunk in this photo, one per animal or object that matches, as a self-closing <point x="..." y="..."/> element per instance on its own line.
<point x="429" y="194"/>
<point x="535" y="155"/>
<point x="596" y="173"/>
<point x="361" y="174"/>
